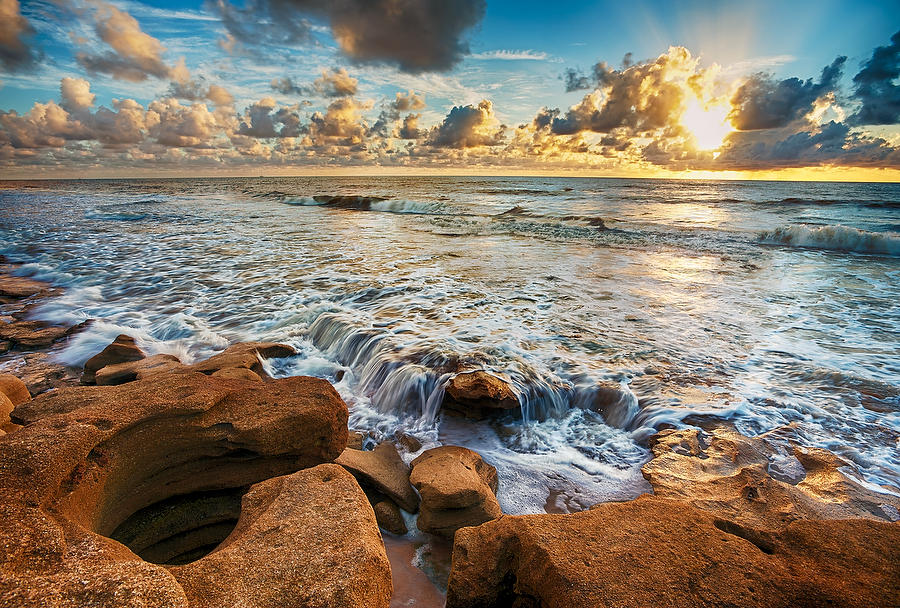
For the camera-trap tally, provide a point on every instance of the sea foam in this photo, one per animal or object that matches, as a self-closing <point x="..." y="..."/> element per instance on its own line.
<point x="836" y="237"/>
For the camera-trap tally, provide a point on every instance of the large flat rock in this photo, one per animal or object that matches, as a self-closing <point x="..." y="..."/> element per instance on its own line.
<point x="658" y="552"/>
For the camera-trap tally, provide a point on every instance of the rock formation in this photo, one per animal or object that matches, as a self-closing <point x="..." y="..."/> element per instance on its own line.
<point x="457" y="487"/>
<point x="123" y="349"/>
<point x="477" y="394"/>
<point x="731" y="475"/>
<point x="142" y="461"/>
<point x="660" y="552"/>
<point x="383" y="470"/>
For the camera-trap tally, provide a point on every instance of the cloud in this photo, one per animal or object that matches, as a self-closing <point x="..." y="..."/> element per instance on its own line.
<point x="468" y="127"/>
<point x="414" y="35"/>
<point x="334" y="83"/>
<point x="576" y="81"/>
<point x="642" y="97"/>
<point x="512" y="55"/>
<point x="260" y="121"/>
<point x="15" y="53"/>
<point x="410" y="128"/>
<point x="135" y="55"/>
<point x="875" y="86"/>
<point x="76" y="94"/>
<point x="762" y="103"/>
<point x="341" y="125"/>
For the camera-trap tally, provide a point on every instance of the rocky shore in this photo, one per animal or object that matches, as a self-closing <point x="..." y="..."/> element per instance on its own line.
<point x="146" y="481"/>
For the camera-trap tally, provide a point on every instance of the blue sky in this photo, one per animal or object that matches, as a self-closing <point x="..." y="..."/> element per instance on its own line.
<point x="518" y="55"/>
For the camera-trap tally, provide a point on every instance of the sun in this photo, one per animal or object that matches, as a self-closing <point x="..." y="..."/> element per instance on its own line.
<point x="708" y="125"/>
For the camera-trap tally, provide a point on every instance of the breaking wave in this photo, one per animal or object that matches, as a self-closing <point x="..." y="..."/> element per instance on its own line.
<point x="366" y="203"/>
<point x="837" y="238"/>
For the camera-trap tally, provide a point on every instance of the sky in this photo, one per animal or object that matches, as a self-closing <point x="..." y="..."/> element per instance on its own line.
<point x="767" y="90"/>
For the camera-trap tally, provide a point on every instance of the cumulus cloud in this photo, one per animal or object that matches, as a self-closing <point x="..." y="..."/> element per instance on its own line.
<point x="641" y="97"/>
<point x="332" y="83"/>
<point x="876" y="87"/>
<point x="467" y="127"/>
<point x="135" y="55"/>
<point x="763" y="103"/>
<point x="15" y="52"/>
<point x="261" y="120"/>
<point x="342" y="124"/>
<point x="76" y="94"/>
<point x="414" y="35"/>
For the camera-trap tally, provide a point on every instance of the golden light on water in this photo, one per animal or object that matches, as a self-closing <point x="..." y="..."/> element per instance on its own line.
<point x="709" y="125"/>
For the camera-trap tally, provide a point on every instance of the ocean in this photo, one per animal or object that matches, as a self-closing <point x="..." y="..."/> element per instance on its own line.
<point x="771" y="306"/>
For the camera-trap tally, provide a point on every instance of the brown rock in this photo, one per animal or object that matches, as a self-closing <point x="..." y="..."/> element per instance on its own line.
<point x="142" y="369"/>
<point x="389" y="517"/>
<point x="245" y="355"/>
<point x="6" y="407"/>
<point x="32" y="334"/>
<point x="355" y="440"/>
<point x="478" y="393"/>
<point x="121" y="350"/>
<point x="104" y="462"/>
<point x="457" y="489"/>
<point x="20" y="287"/>
<point x="383" y="470"/>
<point x="727" y="473"/>
<point x="41" y="374"/>
<point x="14" y="388"/>
<point x="660" y="552"/>
<point x="5" y="345"/>
<point x="408" y="442"/>
<point x="307" y="539"/>
<point x="238" y="373"/>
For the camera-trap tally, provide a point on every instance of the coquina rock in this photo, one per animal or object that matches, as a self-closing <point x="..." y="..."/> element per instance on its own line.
<point x="14" y="389"/>
<point x="123" y="349"/>
<point x="457" y="488"/>
<point x="731" y="475"/>
<point x="477" y="394"/>
<point x="162" y="464"/>
<point x="659" y="552"/>
<point x="141" y="369"/>
<point x="383" y="470"/>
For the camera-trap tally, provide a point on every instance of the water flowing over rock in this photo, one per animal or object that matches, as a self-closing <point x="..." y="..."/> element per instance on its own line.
<point x="17" y="288"/>
<point x="142" y="461"/>
<point x="383" y="470"/>
<point x="728" y="474"/>
<point x="475" y="394"/>
<point x="661" y="552"/>
<point x="245" y="355"/>
<point x="122" y="350"/>
<point x="457" y="487"/>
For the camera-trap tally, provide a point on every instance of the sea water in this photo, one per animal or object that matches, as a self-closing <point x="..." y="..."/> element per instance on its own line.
<point x="769" y="305"/>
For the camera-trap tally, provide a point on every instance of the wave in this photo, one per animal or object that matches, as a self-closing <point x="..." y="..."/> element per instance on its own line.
<point x="836" y="237"/>
<point x="367" y="203"/>
<point x="524" y="191"/>
<point x="115" y="216"/>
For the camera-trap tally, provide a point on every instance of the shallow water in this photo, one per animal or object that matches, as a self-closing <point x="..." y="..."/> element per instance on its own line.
<point x="766" y="304"/>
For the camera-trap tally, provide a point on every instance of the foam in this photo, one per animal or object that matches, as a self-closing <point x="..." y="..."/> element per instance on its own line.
<point x="835" y="237"/>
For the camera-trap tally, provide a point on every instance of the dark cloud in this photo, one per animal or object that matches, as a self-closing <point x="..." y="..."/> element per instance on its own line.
<point x="333" y="83"/>
<point x="468" y="127"/>
<point x="260" y="121"/>
<point x="403" y="102"/>
<point x="15" y="53"/>
<point x="414" y="35"/>
<point x="876" y="87"/>
<point x="763" y="103"/>
<point x="410" y="128"/>
<point x="576" y="81"/>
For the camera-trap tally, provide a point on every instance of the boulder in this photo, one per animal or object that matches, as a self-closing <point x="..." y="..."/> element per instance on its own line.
<point x="123" y="349"/>
<point x="245" y="355"/>
<point x="306" y="539"/>
<point x="6" y="407"/>
<point x="383" y="470"/>
<point x="731" y="475"/>
<point x="457" y="488"/>
<point x="389" y="517"/>
<point x="478" y="393"/>
<point x="148" y="462"/>
<point x="14" y="388"/>
<point x="142" y="369"/>
<point x="653" y="551"/>
<point x="238" y="373"/>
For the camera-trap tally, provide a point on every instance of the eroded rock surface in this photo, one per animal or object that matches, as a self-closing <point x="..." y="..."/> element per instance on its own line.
<point x="478" y="393"/>
<point x="95" y="458"/>
<point x="245" y="355"/>
<point x="383" y="470"/>
<point x="658" y="552"/>
<point x="457" y="488"/>
<point x="141" y="369"/>
<point x="306" y="539"/>
<point x="731" y="475"/>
